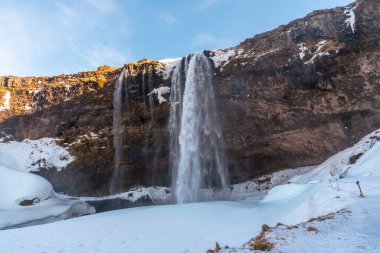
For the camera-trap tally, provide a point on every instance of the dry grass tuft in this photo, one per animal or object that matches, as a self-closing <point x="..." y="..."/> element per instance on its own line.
<point x="312" y="229"/>
<point x="260" y="242"/>
<point x="322" y="218"/>
<point x="217" y="248"/>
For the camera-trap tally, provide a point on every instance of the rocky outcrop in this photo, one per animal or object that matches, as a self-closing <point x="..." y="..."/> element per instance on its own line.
<point x="287" y="98"/>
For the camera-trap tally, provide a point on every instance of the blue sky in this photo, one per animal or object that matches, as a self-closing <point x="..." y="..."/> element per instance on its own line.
<point x="50" y="37"/>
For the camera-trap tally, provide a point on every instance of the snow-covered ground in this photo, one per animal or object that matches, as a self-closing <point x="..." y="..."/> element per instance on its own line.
<point x="196" y="227"/>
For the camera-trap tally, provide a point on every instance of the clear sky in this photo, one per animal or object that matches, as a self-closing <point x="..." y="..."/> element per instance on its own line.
<point x="50" y="37"/>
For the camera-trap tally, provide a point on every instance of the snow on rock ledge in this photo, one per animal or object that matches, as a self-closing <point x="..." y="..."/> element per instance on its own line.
<point x="303" y="50"/>
<point x="31" y="155"/>
<point x="319" y="52"/>
<point x="221" y="56"/>
<point x="168" y="66"/>
<point x="159" y="92"/>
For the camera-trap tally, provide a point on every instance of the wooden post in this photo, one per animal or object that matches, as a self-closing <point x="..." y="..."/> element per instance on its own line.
<point x="360" y="189"/>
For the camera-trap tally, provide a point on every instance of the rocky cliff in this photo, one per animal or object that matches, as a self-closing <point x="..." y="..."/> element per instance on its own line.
<point x="287" y="98"/>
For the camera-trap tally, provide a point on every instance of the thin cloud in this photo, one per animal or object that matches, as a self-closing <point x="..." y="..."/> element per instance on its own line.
<point x="72" y="37"/>
<point x="169" y="21"/>
<point x="203" y="5"/>
<point x="99" y="55"/>
<point x="68" y="16"/>
<point x="102" y="5"/>
<point x="204" y="39"/>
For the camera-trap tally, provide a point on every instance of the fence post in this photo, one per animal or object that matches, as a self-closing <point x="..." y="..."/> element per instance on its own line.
<point x="337" y="185"/>
<point x="360" y="189"/>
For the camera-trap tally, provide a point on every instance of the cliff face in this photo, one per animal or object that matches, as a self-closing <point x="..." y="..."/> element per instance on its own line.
<point x="300" y="93"/>
<point x="77" y="109"/>
<point x="287" y="98"/>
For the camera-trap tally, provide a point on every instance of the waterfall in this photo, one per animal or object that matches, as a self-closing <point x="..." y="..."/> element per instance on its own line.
<point x="197" y="153"/>
<point x="151" y="100"/>
<point x="156" y="176"/>
<point x="117" y="131"/>
<point x="176" y="89"/>
<point x="143" y="88"/>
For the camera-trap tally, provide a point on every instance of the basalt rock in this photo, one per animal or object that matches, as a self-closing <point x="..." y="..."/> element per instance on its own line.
<point x="287" y="98"/>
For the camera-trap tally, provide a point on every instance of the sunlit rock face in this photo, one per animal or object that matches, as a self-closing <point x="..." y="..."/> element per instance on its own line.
<point x="286" y="98"/>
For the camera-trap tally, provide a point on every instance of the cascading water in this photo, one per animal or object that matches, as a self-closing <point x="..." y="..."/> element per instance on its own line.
<point x="151" y="101"/>
<point x="143" y="81"/>
<point x="153" y="178"/>
<point x="197" y="153"/>
<point x="175" y="118"/>
<point x="117" y="131"/>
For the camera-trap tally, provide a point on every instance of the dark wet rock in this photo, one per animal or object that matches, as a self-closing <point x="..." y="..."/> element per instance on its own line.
<point x="118" y="203"/>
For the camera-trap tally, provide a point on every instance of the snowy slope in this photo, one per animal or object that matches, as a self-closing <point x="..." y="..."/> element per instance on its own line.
<point x="353" y="230"/>
<point x="196" y="227"/>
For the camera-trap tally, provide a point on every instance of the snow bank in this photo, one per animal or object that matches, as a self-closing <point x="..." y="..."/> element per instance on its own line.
<point x="16" y="186"/>
<point x="285" y="192"/>
<point x="256" y="189"/>
<point x="342" y="162"/>
<point x="31" y="155"/>
<point x="40" y="202"/>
